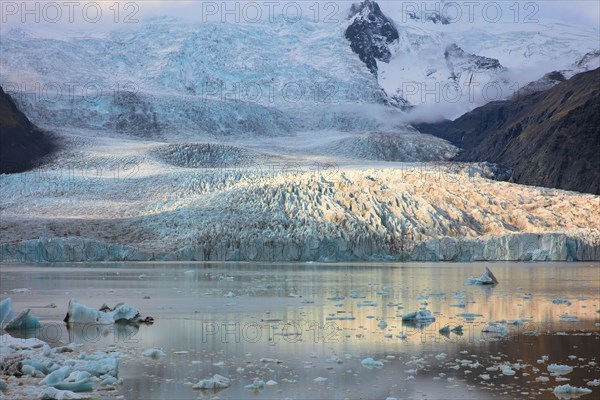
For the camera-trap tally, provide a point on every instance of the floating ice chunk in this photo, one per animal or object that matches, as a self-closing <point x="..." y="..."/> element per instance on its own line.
<point x="371" y="363"/>
<point x="421" y="315"/>
<point x="487" y="278"/>
<point x="558" y="300"/>
<point x="21" y="290"/>
<point x="51" y="393"/>
<point x="506" y="370"/>
<point x="18" y="344"/>
<point x="402" y="336"/>
<point x="257" y="384"/>
<point x="569" y="318"/>
<point x="357" y="296"/>
<point x="340" y="318"/>
<point x="216" y="382"/>
<point x="382" y="324"/>
<point x="559" y="369"/>
<point x="3" y="385"/>
<point x="468" y="315"/>
<point x="542" y="379"/>
<point x="80" y="314"/>
<point x="485" y="377"/>
<point x="595" y="382"/>
<point x="497" y="329"/>
<point x="230" y="295"/>
<point x="23" y="321"/>
<point x="96" y="364"/>
<point x="570" y="392"/>
<point x="6" y="311"/>
<point x="8" y="321"/>
<point x="441" y="356"/>
<point x="336" y="297"/>
<point x="367" y="304"/>
<point x="320" y="379"/>
<point x="271" y="383"/>
<point x="154" y="353"/>
<point x="271" y="360"/>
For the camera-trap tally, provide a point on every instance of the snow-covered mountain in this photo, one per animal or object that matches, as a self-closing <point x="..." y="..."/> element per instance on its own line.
<point x="284" y="76"/>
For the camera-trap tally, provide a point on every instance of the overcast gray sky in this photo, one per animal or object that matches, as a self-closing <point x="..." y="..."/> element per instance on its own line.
<point x="102" y="15"/>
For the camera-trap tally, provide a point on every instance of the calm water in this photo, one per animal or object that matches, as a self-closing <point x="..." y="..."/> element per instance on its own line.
<point x="226" y="317"/>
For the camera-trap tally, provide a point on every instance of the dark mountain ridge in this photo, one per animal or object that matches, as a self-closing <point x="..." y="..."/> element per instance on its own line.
<point x="22" y="144"/>
<point x="550" y="138"/>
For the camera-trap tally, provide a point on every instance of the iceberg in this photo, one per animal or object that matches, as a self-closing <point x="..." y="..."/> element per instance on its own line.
<point x="51" y="393"/>
<point x="570" y="392"/>
<point x="81" y="314"/>
<point x="9" y="322"/>
<point x="20" y="344"/>
<point x="369" y="362"/>
<point x="559" y="369"/>
<point x="153" y="353"/>
<point x="418" y="316"/>
<point x="487" y="278"/>
<point x="497" y="329"/>
<point x="6" y="311"/>
<point x="216" y="382"/>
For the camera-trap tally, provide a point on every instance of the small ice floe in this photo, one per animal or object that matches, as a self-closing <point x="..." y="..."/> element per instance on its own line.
<point x="51" y="393"/>
<point x="441" y="356"/>
<point x="369" y="362"/>
<point x="568" y="318"/>
<point x="271" y="383"/>
<point x="565" y="302"/>
<point x="421" y="315"/>
<point x="216" y="382"/>
<point x="153" y="353"/>
<point x="570" y="392"/>
<point x="559" y="369"/>
<point x="9" y="322"/>
<point x="485" y="377"/>
<point x="65" y="378"/>
<point x="595" y="382"/>
<point x="507" y="370"/>
<point x="80" y="314"/>
<point x="382" y="324"/>
<point x="20" y="344"/>
<point x="256" y="385"/>
<point x="21" y="290"/>
<point x="357" y="296"/>
<point x="320" y="379"/>
<point x="367" y="304"/>
<point x="181" y="352"/>
<point x="271" y="360"/>
<point x="336" y="297"/>
<point x="497" y="329"/>
<point x="542" y="379"/>
<point x="469" y="316"/>
<point x="487" y="278"/>
<point x="332" y="317"/>
<point x="527" y="296"/>
<point x="402" y="336"/>
<point x="229" y="295"/>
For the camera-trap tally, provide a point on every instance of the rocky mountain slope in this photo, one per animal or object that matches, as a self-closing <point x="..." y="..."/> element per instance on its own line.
<point x="549" y="138"/>
<point x="22" y="144"/>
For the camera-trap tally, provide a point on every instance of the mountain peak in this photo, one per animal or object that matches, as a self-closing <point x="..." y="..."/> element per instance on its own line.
<point x="370" y="34"/>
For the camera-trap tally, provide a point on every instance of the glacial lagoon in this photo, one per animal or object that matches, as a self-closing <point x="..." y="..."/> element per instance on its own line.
<point x="308" y="330"/>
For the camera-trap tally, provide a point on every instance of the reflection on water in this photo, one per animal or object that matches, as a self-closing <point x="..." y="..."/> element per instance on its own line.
<point x="322" y="320"/>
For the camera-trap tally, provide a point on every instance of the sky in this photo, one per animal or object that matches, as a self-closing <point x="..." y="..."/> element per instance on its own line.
<point x="103" y="15"/>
